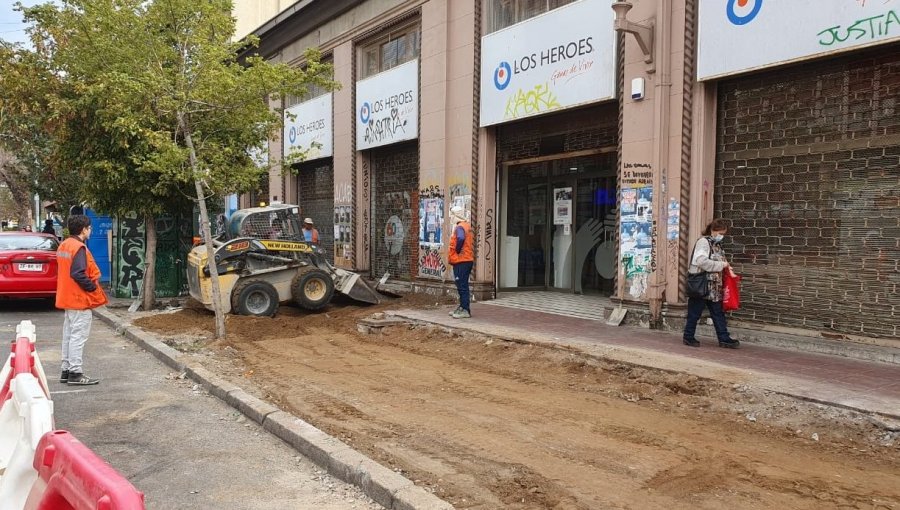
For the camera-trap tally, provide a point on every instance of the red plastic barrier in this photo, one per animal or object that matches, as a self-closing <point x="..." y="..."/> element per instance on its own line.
<point x="72" y="477"/>
<point x="22" y="362"/>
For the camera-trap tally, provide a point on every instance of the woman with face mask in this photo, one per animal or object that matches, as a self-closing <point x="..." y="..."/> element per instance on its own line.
<point x="709" y="256"/>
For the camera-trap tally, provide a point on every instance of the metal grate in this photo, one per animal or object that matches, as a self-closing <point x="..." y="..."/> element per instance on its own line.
<point x="809" y="176"/>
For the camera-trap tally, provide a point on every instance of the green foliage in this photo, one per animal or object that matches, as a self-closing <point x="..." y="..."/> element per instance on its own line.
<point x="122" y="76"/>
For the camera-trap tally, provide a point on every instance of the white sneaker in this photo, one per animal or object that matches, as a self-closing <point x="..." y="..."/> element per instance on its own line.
<point x="461" y="314"/>
<point x="453" y="311"/>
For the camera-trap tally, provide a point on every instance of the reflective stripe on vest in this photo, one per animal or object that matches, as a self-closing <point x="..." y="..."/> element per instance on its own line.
<point x="467" y="254"/>
<point x="70" y="295"/>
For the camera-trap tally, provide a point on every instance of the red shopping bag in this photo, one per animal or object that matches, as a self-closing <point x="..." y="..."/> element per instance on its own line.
<point x="731" y="292"/>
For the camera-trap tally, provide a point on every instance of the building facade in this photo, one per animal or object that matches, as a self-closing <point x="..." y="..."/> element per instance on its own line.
<point x="590" y="147"/>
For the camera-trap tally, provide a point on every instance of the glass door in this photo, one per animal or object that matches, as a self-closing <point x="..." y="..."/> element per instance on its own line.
<point x="558" y="225"/>
<point x="561" y="234"/>
<point x="523" y="248"/>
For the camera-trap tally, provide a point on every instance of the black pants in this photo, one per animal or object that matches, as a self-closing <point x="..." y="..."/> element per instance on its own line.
<point x="695" y="310"/>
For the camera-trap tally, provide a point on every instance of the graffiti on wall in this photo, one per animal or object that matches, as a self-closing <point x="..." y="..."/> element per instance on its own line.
<point x="396" y="229"/>
<point x="431" y="262"/>
<point x="365" y="208"/>
<point x="131" y="256"/>
<point x="532" y="101"/>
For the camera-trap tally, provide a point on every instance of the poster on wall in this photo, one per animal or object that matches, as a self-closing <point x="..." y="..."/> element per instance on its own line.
<point x="562" y="206"/>
<point x="561" y="59"/>
<point x="431" y="221"/>
<point x="307" y="128"/>
<point x="674" y="217"/>
<point x="387" y="107"/>
<point x="342" y="229"/>
<point x="730" y="31"/>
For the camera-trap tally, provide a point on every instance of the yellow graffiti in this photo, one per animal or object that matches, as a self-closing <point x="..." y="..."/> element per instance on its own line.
<point x="537" y="100"/>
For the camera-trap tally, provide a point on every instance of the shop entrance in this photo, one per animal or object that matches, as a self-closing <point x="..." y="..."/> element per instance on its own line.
<point x="558" y="224"/>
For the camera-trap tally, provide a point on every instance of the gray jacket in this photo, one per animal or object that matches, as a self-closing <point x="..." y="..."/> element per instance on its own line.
<point x="701" y="261"/>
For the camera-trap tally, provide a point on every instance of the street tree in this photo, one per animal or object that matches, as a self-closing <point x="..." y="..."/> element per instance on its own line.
<point x="162" y="84"/>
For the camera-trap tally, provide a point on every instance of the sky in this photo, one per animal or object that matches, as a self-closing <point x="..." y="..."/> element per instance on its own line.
<point x="12" y="29"/>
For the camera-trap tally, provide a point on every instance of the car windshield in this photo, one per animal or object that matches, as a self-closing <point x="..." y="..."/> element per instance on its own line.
<point x="40" y="243"/>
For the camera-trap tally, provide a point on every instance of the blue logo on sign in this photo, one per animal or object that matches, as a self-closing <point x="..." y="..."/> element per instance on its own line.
<point x="746" y="18"/>
<point x="292" y="134"/>
<point x="502" y="75"/>
<point x="365" y="113"/>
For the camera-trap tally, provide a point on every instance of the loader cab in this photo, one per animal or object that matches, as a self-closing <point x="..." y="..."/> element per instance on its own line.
<point x="280" y="221"/>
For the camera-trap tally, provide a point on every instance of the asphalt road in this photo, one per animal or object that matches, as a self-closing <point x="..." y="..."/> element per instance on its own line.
<point x="182" y="447"/>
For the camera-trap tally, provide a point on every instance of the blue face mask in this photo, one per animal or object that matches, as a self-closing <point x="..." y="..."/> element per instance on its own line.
<point x="718" y="238"/>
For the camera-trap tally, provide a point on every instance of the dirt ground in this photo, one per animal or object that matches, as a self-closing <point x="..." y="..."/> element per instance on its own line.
<point x="489" y="424"/>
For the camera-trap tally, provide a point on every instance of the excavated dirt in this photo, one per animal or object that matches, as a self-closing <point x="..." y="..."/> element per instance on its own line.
<point x="488" y="424"/>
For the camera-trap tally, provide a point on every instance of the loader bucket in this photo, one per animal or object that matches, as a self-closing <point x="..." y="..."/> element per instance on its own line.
<point x="353" y="286"/>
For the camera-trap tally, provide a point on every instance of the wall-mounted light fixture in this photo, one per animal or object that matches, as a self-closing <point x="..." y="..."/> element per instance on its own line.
<point x="643" y="32"/>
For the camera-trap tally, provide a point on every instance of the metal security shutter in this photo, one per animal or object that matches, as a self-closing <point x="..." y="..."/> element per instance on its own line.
<point x="315" y="182"/>
<point x="808" y="175"/>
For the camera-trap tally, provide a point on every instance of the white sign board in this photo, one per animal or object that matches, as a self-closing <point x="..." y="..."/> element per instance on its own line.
<point x="561" y="59"/>
<point x="387" y="107"/>
<point x="741" y="35"/>
<point x="307" y="127"/>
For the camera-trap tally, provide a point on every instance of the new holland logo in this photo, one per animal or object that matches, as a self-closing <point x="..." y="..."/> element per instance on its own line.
<point x="741" y="12"/>
<point x="365" y="113"/>
<point x="502" y="75"/>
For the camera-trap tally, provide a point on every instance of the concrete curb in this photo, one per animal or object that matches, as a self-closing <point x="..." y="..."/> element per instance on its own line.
<point x="384" y="486"/>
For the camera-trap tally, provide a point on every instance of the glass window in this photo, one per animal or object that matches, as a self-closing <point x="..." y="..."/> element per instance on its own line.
<point x="505" y="13"/>
<point x="313" y="91"/>
<point x="26" y="242"/>
<point x="399" y="47"/>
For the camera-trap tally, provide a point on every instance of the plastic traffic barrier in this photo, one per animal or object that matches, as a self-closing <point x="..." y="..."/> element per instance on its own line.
<point x="25" y="417"/>
<point x="22" y="360"/>
<point x="26" y="414"/>
<point x="72" y="477"/>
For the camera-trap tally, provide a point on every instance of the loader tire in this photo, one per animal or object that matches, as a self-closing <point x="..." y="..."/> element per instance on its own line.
<point x="254" y="297"/>
<point x="312" y="288"/>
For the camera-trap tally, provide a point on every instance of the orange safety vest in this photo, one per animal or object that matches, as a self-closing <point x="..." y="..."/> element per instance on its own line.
<point x="315" y="235"/>
<point x="70" y="295"/>
<point x="468" y="250"/>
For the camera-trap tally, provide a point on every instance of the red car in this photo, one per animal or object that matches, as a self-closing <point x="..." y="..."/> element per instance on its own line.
<point x="27" y="265"/>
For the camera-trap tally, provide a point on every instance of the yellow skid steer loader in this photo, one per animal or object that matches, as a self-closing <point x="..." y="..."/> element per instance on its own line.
<point x="263" y="260"/>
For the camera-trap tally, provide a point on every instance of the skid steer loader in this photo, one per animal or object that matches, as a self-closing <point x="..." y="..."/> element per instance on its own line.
<point x="263" y="260"/>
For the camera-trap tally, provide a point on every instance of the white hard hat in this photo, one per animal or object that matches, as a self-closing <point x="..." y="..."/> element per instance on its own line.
<point x="308" y="220"/>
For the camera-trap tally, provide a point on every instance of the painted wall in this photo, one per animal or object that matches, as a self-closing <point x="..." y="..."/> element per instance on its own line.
<point x="251" y="14"/>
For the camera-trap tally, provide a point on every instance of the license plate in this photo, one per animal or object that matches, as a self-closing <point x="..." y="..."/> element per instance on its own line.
<point x="31" y="267"/>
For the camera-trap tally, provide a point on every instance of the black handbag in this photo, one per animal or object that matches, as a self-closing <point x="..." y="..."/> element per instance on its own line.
<point x="698" y="284"/>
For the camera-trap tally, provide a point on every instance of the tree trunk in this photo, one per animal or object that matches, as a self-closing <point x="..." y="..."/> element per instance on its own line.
<point x="10" y="173"/>
<point x="205" y="230"/>
<point x="149" y="288"/>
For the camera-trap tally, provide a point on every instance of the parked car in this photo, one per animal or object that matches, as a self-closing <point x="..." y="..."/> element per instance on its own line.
<point x="28" y="265"/>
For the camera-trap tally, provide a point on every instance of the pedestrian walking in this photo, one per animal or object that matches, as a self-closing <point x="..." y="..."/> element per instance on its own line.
<point x="310" y="232"/>
<point x="462" y="258"/>
<point x="48" y="227"/>
<point x="78" y="291"/>
<point x="709" y="257"/>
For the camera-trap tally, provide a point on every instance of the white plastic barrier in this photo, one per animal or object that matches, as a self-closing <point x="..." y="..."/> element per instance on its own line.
<point x="24" y="419"/>
<point x="26" y="414"/>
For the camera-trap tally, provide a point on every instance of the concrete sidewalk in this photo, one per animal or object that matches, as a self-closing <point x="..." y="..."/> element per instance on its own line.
<point x="867" y="386"/>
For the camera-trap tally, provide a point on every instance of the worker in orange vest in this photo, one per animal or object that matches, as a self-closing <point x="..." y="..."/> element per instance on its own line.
<point x="310" y="232"/>
<point x="462" y="258"/>
<point x="77" y="292"/>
